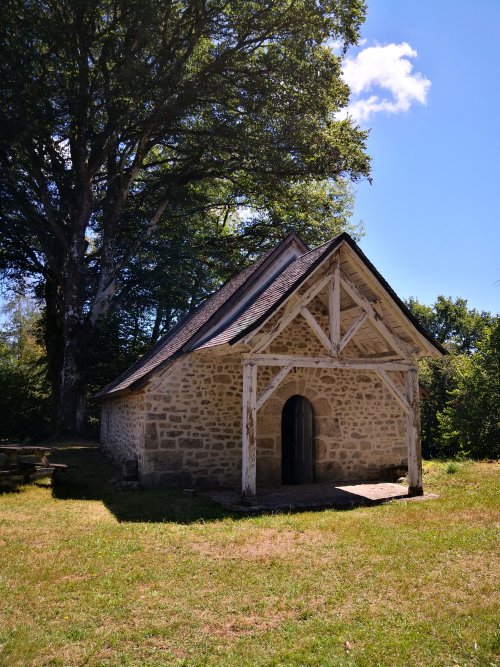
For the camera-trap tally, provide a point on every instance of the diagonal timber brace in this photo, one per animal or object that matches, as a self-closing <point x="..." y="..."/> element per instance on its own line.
<point x="403" y="348"/>
<point x="292" y="313"/>
<point x="311" y="321"/>
<point x="272" y="386"/>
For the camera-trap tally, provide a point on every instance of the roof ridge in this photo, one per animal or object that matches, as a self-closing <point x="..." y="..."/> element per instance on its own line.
<point x="332" y="240"/>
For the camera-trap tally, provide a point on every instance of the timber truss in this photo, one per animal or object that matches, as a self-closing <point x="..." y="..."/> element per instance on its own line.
<point x="400" y="361"/>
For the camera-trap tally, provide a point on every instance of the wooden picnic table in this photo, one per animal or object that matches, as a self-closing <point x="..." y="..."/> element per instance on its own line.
<point x="26" y="462"/>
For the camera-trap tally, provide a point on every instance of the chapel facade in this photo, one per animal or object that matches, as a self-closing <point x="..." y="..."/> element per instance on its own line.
<point x="303" y="368"/>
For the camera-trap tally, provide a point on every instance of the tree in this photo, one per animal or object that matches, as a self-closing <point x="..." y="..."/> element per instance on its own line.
<point x="23" y="386"/>
<point x="452" y="323"/>
<point x="460" y="415"/>
<point x="122" y="119"/>
<point x="470" y="422"/>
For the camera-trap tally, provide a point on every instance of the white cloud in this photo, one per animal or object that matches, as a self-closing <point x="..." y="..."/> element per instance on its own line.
<point x="381" y="79"/>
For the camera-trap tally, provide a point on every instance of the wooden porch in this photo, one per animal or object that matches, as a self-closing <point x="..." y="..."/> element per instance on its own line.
<point x="394" y="361"/>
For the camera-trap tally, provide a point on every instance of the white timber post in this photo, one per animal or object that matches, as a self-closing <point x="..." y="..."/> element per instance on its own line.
<point x="249" y="435"/>
<point x="334" y="307"/>
<point x="413" y="434"/>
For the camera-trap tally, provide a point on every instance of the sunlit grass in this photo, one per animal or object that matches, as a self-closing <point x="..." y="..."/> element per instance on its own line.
<point x="90" y="575"/>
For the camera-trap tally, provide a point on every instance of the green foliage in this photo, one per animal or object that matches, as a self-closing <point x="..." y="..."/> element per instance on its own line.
<point x="452" y="323"/>
<point x="470" y="421"/>
<point x="145" y="143"/>
<point x="439" y="377"/>
<point x="24" y="403"/>
<point x="461" y="416"/>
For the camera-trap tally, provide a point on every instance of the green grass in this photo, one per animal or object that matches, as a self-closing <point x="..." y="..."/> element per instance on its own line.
<point x="90" y="575"/>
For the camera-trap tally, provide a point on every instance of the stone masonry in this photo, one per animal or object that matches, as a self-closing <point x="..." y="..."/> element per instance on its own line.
<point x="185" y="429"/>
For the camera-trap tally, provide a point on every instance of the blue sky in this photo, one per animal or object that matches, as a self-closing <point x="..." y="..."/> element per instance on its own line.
<point x="432" y="214"/>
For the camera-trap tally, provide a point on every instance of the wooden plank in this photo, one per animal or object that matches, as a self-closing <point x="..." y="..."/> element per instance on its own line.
<point x="348" y="309"/>
<point x="39" y="473"/>
<point x="406" y="350"/>
<point x="334" y="308"/>
<point x="287" y="317"/>
<point x="352" y="329"/>
<point x="249" y="435"/>
<point x="312" y="322"/>
<point x="413" y="434"/>
<point x="25" y="449"/>
<point x="398" y="394"/>
<point x="381" y="355"/>
<point x="324" y="362"/>
<point x="272" y="386"/>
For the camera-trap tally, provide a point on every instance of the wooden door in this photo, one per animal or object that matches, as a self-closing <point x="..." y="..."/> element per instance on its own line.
<point x="297" y="435"/>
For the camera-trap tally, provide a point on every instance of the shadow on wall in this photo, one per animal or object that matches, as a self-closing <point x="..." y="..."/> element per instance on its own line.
<point x="90" y="477"/>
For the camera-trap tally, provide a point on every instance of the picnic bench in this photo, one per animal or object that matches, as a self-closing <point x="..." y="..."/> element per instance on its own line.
<point x="26" y="463"/>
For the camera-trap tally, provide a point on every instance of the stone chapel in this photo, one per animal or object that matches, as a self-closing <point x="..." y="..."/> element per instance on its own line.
<point x="302" y="368"/>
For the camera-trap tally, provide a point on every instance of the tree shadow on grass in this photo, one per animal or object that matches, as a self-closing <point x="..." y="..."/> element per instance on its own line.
<point x="90" y="477"/>
<point x="7" y="486"/>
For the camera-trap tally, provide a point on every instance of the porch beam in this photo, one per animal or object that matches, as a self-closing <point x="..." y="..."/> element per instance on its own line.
<point x="312" y="322"/>
<point x="249" y="435"/>
<point x="377" y="320"/>
<point x="353" y="329"/>
<point x="413" y="434"/>
<point x="291" y="314"/>
<point x="396" y="391"/>
<point x="355" y="363"/>
<point x="266" y="393"/>
<point x="334" y="307"/>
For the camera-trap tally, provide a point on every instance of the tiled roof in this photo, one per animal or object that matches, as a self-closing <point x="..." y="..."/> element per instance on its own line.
<point x="178" y="337"/>
<point x="273" y="295"/>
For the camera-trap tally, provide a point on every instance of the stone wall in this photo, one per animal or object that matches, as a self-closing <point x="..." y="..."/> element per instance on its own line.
<point x="193" y="423"/>
<point x="360" y="428"/>
<point x="192" y="418"/>
<point x="122" y="427"/>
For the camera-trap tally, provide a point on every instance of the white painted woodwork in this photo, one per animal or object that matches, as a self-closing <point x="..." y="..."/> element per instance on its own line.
<point x="324" y="362"/>
<point x="359" y="269"/>
<point x="413" y="434"/>
<point x="382" y="355"/>
<point x="312" y="322"/>
<point x="397" y="393"/>
<point x="287" y="317"/>
<point x="249" y="436"/>
<point x="266" y="393"/>
<point x="358" y="322"/>
<point x="334" y="307"/>
<point x="348" y="309"/>
<point x="377" y="320"/>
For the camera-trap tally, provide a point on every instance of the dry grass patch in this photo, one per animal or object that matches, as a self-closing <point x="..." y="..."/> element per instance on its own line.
<point x="260" y="545"/>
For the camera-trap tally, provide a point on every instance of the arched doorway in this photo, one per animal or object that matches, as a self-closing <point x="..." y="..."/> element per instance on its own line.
<point x="297" y="441"/>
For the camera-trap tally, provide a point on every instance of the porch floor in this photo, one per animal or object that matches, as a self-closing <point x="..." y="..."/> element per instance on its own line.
<point x="306" y="497"/>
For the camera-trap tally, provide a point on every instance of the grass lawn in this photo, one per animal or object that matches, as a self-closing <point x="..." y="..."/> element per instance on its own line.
<point x="90" y="575"/>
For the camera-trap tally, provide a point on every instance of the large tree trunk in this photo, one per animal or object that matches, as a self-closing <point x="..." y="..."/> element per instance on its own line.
<point x="54" y="345"/>
<point x="74" y="330"/>
<point x="72" y="395"/>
